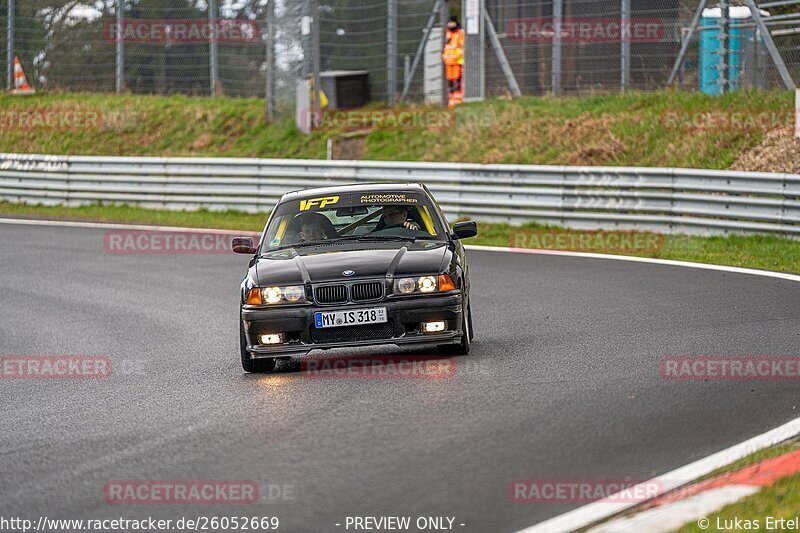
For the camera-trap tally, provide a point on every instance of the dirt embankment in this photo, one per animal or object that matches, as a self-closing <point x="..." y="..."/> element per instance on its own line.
<point x="779" y="152"/>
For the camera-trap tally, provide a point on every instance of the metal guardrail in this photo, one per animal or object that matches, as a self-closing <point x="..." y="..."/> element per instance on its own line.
<point x="666" y="200"/>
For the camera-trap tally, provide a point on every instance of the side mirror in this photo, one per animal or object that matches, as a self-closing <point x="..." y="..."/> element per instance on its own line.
<point x="243" y="245"/>
<point x="465" y="230"/>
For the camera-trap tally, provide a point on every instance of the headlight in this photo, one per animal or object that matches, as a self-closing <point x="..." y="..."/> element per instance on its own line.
<point x="272" y="295"/>
<point x="294" y="293"/>
<point x="424" y="284"/>
<point x="276" y="295"/>
<point x="406" y="285"/>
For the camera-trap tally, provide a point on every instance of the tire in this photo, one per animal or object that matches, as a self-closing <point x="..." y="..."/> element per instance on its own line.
<point x="471" y="329"/>
<point x="258" y="366"/>
<point x="462" y="348"/>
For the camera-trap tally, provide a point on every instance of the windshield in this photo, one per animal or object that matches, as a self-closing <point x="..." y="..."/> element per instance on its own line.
<point x="350" y="216"/>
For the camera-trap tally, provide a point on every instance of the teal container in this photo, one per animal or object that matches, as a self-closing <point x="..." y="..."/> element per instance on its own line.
<point x="711" y="53"/>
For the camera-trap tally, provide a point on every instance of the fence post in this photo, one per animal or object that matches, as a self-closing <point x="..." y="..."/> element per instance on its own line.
<point x="10" y="44"/>
<point x="558" y="14"/>
<point x="444" y="14"/>
<point x="305" y="38"/>
<point x="316" y="62"/>
<point x="269" y="60"/>
<point x="391" y="52"/>
<point x="474" y="53"/>
<point x="213" y="49"/>
<point x="724" y="47"/>
<point x="625" y="46"/>
<point x="120" y="46"/>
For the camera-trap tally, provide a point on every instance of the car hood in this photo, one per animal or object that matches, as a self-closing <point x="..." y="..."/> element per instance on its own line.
<point x="327" y="262"/>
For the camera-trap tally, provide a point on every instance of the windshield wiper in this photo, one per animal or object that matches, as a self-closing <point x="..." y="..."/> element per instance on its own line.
<point x="344" y="239"/>
<point x="374" y="238"/>
<point x="297" y="245"/>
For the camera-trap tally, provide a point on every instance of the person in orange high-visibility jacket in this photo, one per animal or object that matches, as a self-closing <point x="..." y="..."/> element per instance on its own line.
<point x="453" y="56"/>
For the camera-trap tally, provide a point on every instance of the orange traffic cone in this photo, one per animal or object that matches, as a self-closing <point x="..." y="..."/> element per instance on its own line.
<point x="20" y="83"/>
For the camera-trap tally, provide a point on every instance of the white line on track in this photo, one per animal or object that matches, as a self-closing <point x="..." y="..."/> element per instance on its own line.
<point x="112" y="225"/>
<point x="588" y="514"/>
<point x="669" y="262"/>
<point x="673" y="515"/>
<point x="594" y="512"/>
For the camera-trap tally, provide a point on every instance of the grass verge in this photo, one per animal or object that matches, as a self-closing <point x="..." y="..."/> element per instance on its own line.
<point x="755" y="251"/>
<point x="779" y="500"/>
<point x="610" y="129"/>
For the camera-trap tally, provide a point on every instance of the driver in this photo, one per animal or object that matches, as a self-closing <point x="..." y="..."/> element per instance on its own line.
<point x="397" y="216"/>
<point x="313" y="227"/>
<point x="312" y="230"/>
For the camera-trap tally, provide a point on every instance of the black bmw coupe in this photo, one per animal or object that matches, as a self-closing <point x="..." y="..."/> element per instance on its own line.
<point x="354" y="265"/>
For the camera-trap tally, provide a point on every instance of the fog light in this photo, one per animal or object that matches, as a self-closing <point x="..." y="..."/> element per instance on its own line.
<point x="275" y="338"/>
<point x="433" y="327"/>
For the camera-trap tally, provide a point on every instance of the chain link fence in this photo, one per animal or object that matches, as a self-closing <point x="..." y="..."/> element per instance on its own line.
<point x="591" y="45"/>
<point x="610" y="46"/>
<point x="354" y="36"/>
<point x="262" y="48"/>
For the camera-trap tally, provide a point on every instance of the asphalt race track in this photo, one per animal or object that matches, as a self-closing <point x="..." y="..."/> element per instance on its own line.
<point x="562" y="383"/>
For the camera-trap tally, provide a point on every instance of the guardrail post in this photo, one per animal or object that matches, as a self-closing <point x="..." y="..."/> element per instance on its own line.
<point x="67" y="182"/>
<point x="671" y="216"/>
<point x="784" y="188"/>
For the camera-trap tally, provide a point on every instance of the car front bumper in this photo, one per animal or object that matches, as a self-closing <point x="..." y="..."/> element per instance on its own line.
<point x="404" y="316"/>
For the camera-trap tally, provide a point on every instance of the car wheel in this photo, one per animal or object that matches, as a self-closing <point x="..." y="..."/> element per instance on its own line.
<point x="462" y="348"/>
<point x="253" y="365"/>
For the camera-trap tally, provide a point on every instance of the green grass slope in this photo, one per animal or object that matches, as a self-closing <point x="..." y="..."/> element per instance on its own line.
<point x="599" y="130"/>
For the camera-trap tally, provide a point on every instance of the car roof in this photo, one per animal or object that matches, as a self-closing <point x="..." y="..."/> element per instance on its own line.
<point x="354" y="188"/>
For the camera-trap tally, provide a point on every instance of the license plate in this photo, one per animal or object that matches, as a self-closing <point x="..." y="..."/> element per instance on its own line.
<point x="351" y="317"/>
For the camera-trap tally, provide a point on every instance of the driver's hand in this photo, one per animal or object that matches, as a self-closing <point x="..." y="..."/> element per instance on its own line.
<point x="410" y="224"/>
